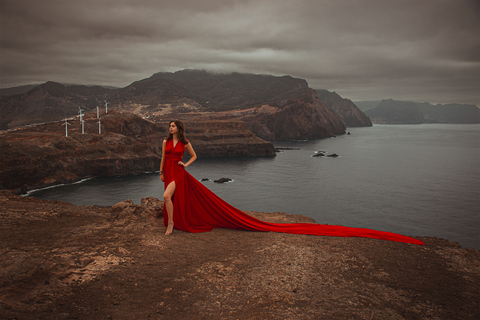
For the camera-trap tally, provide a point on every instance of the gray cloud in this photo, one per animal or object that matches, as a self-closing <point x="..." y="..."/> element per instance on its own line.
<point x="371" y="49"/>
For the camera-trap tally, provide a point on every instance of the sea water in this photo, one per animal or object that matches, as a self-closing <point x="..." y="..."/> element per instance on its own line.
<point x="411" y="179"/>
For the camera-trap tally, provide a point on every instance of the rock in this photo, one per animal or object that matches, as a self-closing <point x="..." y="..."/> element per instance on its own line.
<point x="333" y="155"/>
<point x="152" y="207"/>
<point x="128" y="269"/>
<point x="222" y="180"/>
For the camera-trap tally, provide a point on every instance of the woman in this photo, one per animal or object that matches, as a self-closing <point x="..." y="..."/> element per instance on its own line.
<point x="191" y="207"/>
<point x="172" y="155"/>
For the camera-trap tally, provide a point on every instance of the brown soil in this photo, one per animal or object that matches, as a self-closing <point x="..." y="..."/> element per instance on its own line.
<point x="60" y="261"/>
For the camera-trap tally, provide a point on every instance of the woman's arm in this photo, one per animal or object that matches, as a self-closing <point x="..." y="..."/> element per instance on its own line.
<point x="192" y="153"/>
<point x="163" y="159"/>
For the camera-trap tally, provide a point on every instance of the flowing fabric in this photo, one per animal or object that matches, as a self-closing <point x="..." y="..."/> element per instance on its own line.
<point x="197" y="209"/>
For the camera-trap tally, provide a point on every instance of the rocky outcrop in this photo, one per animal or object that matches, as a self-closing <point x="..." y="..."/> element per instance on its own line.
<point x="345" y="109"/>
<point x="42" y="155"/>
<point x="60" y="261"/>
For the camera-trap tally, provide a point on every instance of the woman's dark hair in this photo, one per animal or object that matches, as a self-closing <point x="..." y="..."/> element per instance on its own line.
<point x="181" y="131"/>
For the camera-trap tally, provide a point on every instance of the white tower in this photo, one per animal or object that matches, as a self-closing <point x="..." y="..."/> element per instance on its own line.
<point x="106" y="106"/>
<point x="99" y="126"/>
<point x="80" y="111"/>
<point x="66" y="124"/>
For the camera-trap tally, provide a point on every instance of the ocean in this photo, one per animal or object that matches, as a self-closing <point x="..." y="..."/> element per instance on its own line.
<point x="419" y="180"/>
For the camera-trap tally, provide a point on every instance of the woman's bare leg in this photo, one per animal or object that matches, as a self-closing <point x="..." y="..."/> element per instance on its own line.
<point x="167" y="198"/>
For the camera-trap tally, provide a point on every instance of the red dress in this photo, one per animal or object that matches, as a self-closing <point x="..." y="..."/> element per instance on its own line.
<point x="197" y="209"/>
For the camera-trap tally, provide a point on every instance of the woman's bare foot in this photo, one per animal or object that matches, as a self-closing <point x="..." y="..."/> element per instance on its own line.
<point x="169" y="230"/>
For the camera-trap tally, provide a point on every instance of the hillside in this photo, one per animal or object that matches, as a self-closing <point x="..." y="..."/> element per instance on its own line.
<point x="271" y="107"/>
<point x="42" y="155"/>
<point x="172" y="95"/>
<point x="345" y="109"/>
<point x="50" y="101"/>
<point x="407" y="112"/>
<point x="396" y="112"/>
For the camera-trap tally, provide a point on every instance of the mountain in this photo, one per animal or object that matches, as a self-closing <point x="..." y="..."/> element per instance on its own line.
<point x="272" y="107"/>
<point x="17" y="90"/>
<point x="345" y="109"/>
<point x="450" y="113"/>
<point x="50" y="101"/>
<point x="367" y="105"/>
<point x="280" y="107"/>
<point x="396" y="112"/>
<point x="205" y="91"/>
<point x="407" y="112"/>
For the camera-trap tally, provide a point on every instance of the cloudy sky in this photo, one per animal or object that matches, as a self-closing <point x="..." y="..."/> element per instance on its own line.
<point x="418" y="50"/>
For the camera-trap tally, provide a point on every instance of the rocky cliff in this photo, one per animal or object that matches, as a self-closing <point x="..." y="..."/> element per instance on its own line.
<point x="42" y="155"/>
<point x="61" y="261"/>
<point x="345" y="109"/>
<point x="303" y="118"/>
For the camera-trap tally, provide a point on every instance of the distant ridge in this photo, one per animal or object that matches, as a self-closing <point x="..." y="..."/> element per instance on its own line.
<point x="211" y="91"/>
<point x="50" y="101"/>
<point x="17" y="90"/>
<point x="408" y="112"/>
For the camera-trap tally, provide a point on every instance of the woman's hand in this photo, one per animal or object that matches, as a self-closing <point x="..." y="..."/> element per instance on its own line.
<point x="180" y="163"/>
<point x="162" y="178"/>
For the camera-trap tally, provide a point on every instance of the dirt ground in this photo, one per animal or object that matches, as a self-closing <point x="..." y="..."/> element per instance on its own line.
<point x="60" y="261"/>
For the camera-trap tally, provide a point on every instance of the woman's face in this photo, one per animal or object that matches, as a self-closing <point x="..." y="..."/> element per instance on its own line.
<point x="173" y="128"/>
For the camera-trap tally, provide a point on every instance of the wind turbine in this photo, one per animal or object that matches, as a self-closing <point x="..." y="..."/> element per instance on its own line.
<point x="99" y="126"/>
<point x="81" y="119"/>
<point x="98" y="113"/>
<point x="66" y="124"/>
<point x="106" y="106"/>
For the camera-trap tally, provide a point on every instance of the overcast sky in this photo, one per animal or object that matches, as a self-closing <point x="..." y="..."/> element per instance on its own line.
<point x="417" y="50"/>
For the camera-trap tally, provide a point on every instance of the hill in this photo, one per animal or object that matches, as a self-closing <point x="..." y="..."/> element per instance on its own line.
<point x="50" y="101"/>
<point x="42" y="155"/>
<point x="299" y="114"/>
<point x="407" y="112"/>
<point x="271" y="107"/>
<point x="345" y="109"/>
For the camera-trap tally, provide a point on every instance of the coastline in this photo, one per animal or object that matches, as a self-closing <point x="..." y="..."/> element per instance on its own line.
<point x="64" y="261"/>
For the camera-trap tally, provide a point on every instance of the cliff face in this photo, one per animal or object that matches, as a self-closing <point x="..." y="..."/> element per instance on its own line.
<point x="303" y="118"/>
<point x="345" y="109"/>
<point x="41" y="156"/>
<point x="271" y="107"/>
